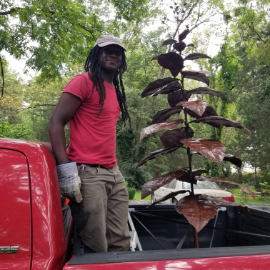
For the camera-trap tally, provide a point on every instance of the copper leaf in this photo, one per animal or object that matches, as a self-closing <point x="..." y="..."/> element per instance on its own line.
<point x="175" y="72"/>
<point x="179" y="46"/>
<point x="209" y="111"/>
<point x="157" y="85"/>
<point x="154" y="184"/>
<point x="176" y="97"/>
<point x="220" y="180"/>
<point x="218" y="122"/>
<point x="183" y="35"/>
<point x="169" y="42"/>
<point x="205" y="90"/>
<point x="172" y="61"/>
<point x="173" y="138"/>
<point x="186" y="177"/>
<point x="163" y="115"/>
<point x="154" y="58"/>
<point x="197" y="106"/>
<point x="234" y="160"/>
<point x="212" y="149"/>
<point x="190" y="45"/>
<point x="205" y="72"/>
<point x="190" y="178"/>
<point x="196" y="75"/>
<point x="169" y="196"/>
<point x="194" y="56"/>
<point x="169" y="88"/>
<point x="197" y="210"/>
<point x="160" y="126"/>
<point x="155" y="154"/>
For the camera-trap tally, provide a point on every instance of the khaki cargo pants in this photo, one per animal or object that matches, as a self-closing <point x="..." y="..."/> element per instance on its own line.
<point x="101" y="218"/>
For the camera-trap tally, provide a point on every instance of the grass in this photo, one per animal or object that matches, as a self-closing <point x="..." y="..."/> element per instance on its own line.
<point x="239" y="199"/>
<point x="138" y="197"/>
<point x="259" y="200"/>
<point x="244" y="198"/>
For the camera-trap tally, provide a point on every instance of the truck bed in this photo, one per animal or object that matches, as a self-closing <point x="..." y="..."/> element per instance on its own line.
<point x="165" y="236"/>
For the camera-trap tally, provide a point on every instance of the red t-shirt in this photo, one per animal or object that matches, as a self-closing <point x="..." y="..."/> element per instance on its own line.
<point x="93" y="136"/>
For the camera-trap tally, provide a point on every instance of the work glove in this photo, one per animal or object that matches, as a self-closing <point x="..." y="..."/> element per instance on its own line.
<point x="69" y="181"/>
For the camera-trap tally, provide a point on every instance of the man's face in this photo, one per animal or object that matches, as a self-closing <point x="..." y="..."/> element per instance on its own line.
<point x="111" y="57"/>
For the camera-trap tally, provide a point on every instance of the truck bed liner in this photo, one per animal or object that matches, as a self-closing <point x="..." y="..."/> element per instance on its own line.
<point x="226" y="242"/>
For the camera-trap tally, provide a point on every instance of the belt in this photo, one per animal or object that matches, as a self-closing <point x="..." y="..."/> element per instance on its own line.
<point x="92" y="165"/>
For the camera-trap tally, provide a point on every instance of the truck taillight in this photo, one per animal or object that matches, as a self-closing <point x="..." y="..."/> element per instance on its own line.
<point x="229" y="199"/>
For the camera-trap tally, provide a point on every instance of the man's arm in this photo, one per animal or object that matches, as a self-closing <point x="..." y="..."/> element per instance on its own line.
<point x="64" y="111"/>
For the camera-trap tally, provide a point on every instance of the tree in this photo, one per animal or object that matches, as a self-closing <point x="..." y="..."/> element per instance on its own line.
<point x="40" y="100"/>
<point x="18" y="131"/>
<point x="12" y="102"/>
<point x="56" y="34"/>
<point x="50" y="34"/>
<point x="247" y="69"/>
<point x="10" y="107"/>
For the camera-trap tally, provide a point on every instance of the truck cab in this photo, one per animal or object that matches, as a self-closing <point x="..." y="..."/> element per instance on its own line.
<point x="31" y="229"/>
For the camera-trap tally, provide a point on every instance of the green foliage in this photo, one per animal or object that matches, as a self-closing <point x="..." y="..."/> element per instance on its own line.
<point x="8" y="130"/>
<point x="125" y="139"/>
<point x="245" y="62"/>
<point x="131" y="192"/>
<point x="12" y="100"/>
<point x="128" y="157"/>
<point x="136" y="178"/>
<point x="60" y="32"/>
<point x="266" y="186"/>
<point x="135" y="10"/>
<point x="41" y="100"/>
<point x="244" y="198"/>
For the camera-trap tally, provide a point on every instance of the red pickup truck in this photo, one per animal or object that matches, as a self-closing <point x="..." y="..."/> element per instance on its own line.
<point x="36" y="231"/>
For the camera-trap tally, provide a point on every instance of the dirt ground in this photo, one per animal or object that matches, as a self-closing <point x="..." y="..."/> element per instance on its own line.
<point x="138" y="202"/>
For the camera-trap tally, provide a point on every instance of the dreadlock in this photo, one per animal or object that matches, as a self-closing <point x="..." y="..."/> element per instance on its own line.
<point x="93" y="68"/>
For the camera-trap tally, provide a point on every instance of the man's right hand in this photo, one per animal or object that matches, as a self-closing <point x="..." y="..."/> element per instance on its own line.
<point x="69" y="181"/>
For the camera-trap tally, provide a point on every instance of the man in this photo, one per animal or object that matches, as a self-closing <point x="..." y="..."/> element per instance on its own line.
<point x="87" y="171"/>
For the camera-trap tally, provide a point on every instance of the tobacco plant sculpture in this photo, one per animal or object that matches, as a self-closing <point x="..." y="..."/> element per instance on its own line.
<point x="198" y="209"/>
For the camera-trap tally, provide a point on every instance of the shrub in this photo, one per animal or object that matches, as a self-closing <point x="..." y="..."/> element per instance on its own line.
<point x="131" y="192"/>
<point x="8" y="130"/>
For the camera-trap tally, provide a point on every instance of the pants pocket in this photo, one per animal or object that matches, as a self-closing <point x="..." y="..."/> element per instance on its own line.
<point x="86" y="171"/>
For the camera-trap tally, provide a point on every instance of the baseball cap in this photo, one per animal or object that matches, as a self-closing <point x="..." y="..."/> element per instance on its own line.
<point x="106" y="40"/>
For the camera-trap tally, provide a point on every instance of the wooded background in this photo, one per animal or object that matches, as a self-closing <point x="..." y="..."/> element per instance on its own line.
<point x="56" y="36"/>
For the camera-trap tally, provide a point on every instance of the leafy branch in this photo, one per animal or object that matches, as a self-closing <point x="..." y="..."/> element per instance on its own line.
<point x="9" y="12"/>
<point x="258" y="35"/>
<point x="40" y="105"/>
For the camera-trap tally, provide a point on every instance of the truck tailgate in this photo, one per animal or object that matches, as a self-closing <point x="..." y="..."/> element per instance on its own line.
<point x="248" y="258"/>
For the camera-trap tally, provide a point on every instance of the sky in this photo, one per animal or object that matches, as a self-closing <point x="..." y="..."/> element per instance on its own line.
<point x="19" y="67"/>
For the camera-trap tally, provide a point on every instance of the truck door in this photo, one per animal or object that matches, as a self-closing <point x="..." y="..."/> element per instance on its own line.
<point x="15" y="212"/>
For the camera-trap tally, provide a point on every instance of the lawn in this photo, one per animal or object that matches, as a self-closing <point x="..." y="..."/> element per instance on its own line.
<point x="239" y="199"/>
<point x="249" y="200"/>
<point x="138" y="196"/>
<point x="244" y="198"/>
